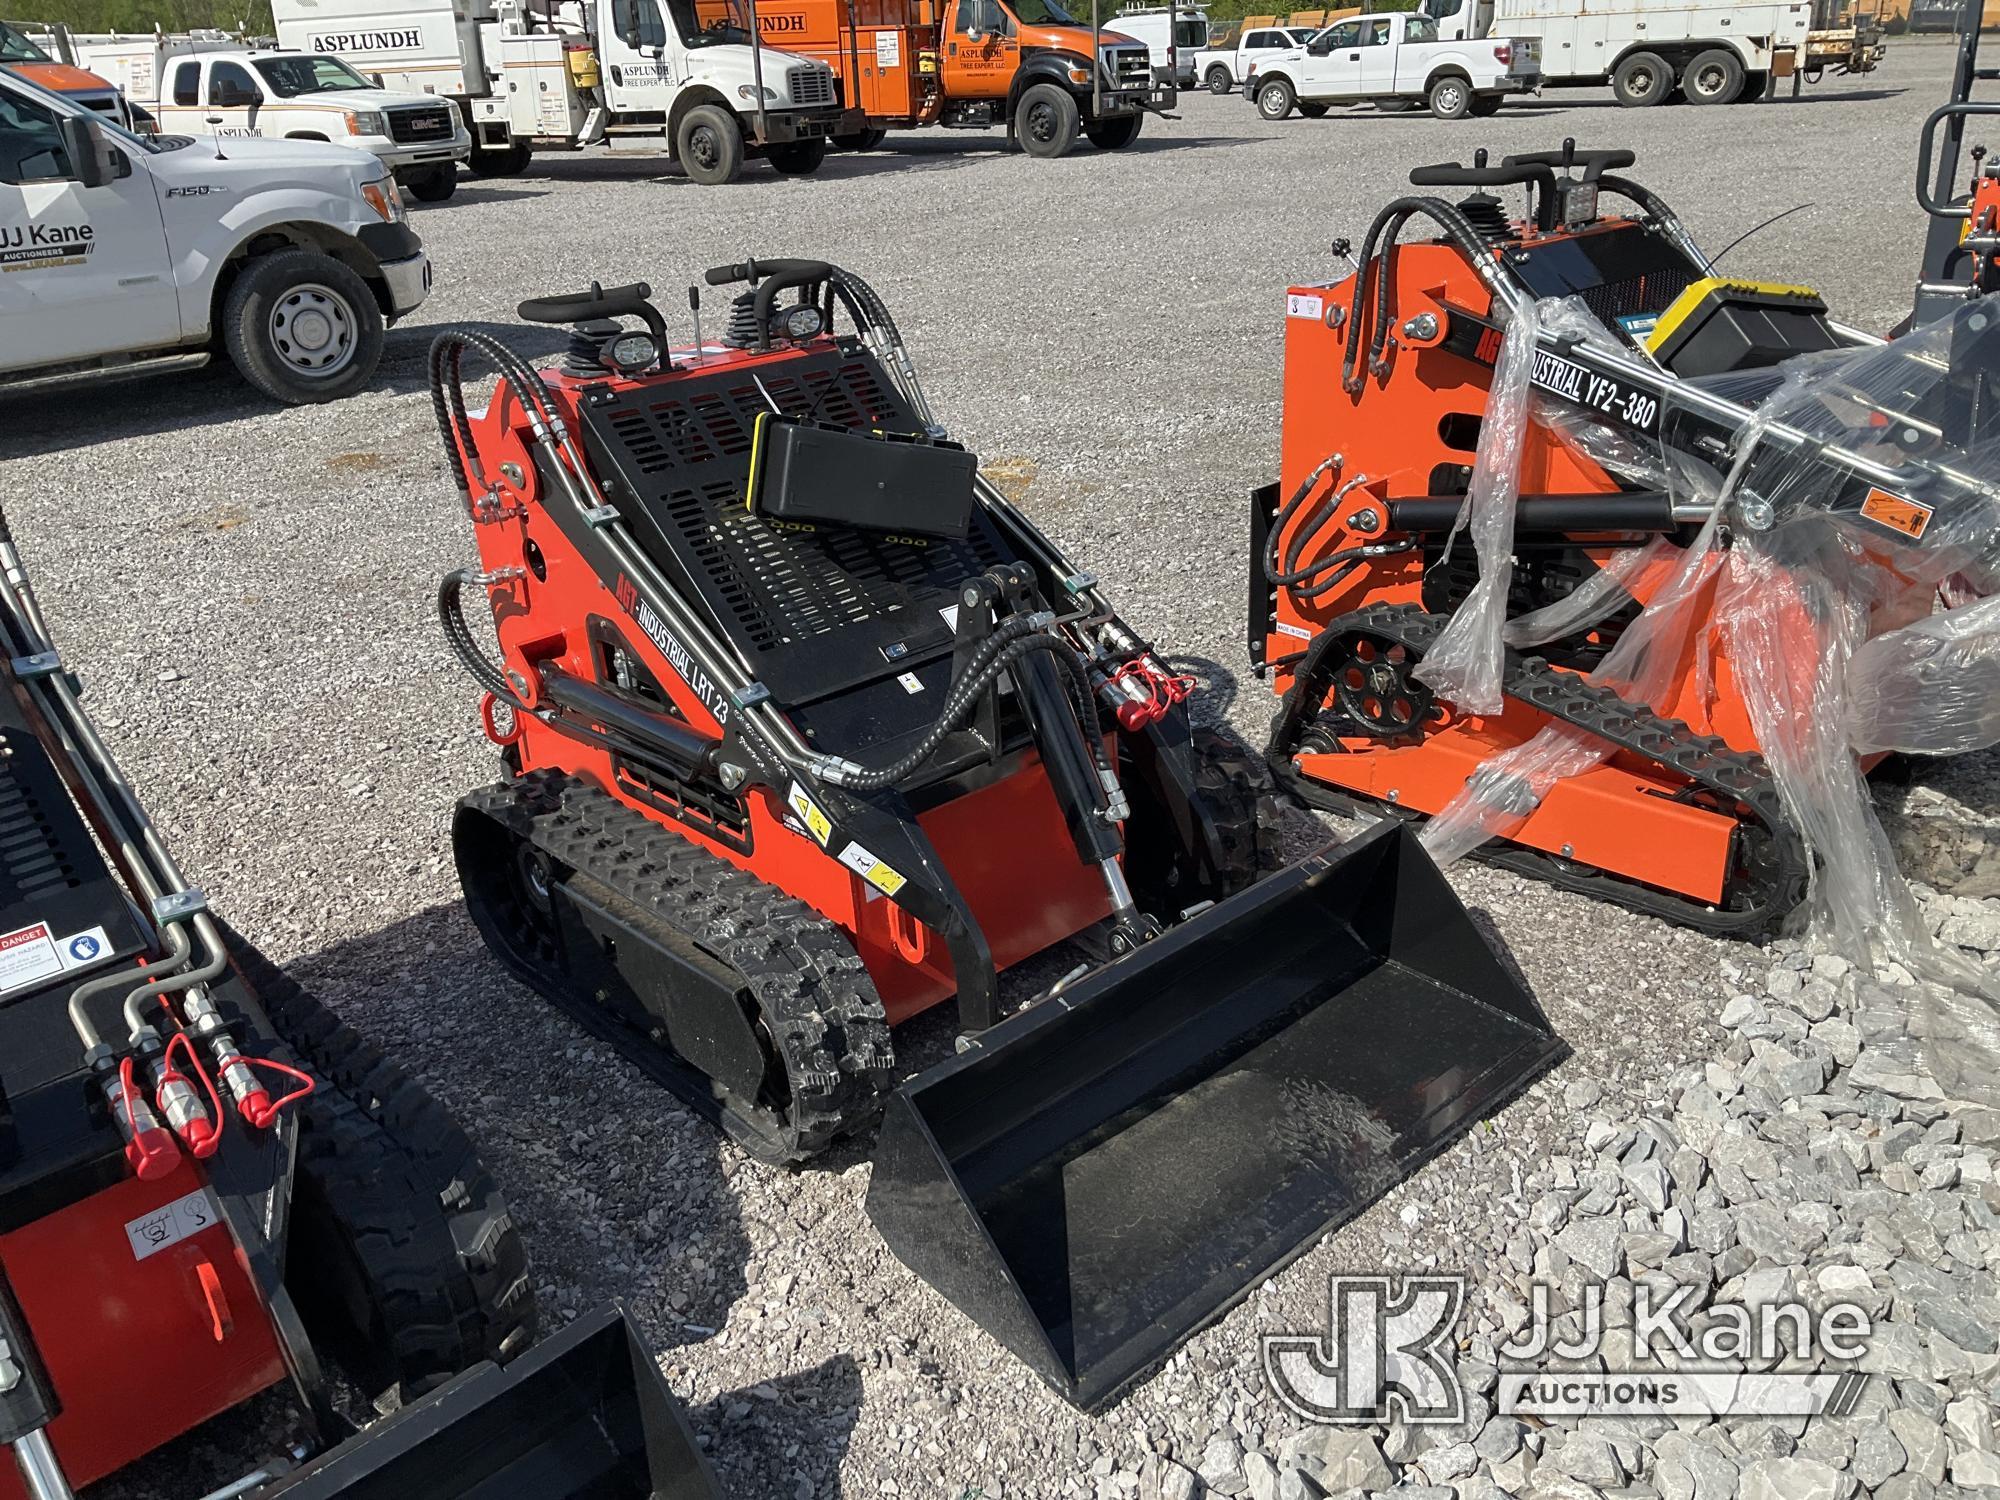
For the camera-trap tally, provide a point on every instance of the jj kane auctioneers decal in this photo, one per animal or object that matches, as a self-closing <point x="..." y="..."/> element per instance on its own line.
<point x="43" y="247"/>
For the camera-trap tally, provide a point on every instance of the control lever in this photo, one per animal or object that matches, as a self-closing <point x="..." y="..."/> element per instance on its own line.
<point x="599" y="302"/>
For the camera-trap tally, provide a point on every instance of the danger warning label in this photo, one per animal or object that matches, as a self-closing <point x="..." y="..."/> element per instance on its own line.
<point x="1910" y="518"/>
<point x="29" y="955"/>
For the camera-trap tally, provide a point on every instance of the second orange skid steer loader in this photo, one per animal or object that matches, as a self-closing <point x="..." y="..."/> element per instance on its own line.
<point x="807" y="729"/>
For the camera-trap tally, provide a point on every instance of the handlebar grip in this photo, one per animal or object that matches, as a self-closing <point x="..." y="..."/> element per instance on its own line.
<point x="742" y="270"/>
<point x="574" y="307"/>
<point x="1454" y="174"/>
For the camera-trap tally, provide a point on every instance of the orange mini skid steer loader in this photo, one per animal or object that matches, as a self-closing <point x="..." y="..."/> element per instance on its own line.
<point x="1668" y="395"/>
<point x="809" y="729"/>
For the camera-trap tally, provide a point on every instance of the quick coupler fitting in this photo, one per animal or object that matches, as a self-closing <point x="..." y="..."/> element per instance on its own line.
<point x="149" y="1150"/>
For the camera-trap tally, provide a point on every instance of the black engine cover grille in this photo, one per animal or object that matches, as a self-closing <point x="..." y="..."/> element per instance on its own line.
<point x="815" y="610"/>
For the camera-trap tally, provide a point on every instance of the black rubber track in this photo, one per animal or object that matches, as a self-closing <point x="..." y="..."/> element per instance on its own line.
<point x="388" y="1183"/>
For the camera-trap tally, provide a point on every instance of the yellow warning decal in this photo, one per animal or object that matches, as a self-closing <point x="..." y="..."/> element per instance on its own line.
<point x="877" y="872"/>
<point x="818" y="824"/>
<point x="1908" y="518"/>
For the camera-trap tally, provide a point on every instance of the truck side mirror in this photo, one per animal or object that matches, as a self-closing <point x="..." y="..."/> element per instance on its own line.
<point x="627" y="12"/>
<point x="93" y="160"/>
<point x="1321" y="45"/>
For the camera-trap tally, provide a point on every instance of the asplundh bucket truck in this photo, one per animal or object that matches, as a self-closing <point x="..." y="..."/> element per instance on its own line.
<point x="669" y="76"/>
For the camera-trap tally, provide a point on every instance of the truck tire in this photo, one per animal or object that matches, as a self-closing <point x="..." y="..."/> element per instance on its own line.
<point x="797" y="158"/>
<point x="1714" y="77"/>
<point x="1641" y="78"/>
<point x="1046" y="121"/>
<point x="1219" y="81"/>
<point x="1114" y="135"/>
<point x="709" y="144"/>
<point x="861" y="140"/>
<point x="1451" y="98"/>
<point x="1275" y="99"/>
<point x="401" y="1256"/>
<point x="1313" y="111"/>
<point x="433" y="185"/>
<point x="1485" y="106"/>
<point x="301" y="327"/>
<point x="1754" y="85"/>
<point x="510" y="160"/>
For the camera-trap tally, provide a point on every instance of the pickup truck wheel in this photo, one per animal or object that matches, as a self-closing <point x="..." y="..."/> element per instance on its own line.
<point x="1714" y="77"/>
<point x="709" y="144"/>
<point x="301" y="327"/>
<point x="434" y="185"/>
<point x="1047" y="121"/>
<point x="797" y="158"/>
<point x="1314" y="111"/>
<point x="1275" y="99"/>
<point x="1115" y="135"/>
<point x="1219" y="81"/>
<point x="510" y="160"/>
<point x="1451" y="98"/>
<point x="1485" y="106"/>
<point x="1642" y="78"/>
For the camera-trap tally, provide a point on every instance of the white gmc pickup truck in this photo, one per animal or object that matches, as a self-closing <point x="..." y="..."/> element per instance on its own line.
<point x="123" y="253"/>
<point x="1393" y="59"/>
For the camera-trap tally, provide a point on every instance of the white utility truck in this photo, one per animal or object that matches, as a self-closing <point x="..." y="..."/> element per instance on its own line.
<point x="687" y="78"/>
<point x="1223" y="69"/>
<point x="1392" y="59"/>
<point x="1711" y="51"/>
<point x="1173" y="35"/>
<point x="122" y="253"/>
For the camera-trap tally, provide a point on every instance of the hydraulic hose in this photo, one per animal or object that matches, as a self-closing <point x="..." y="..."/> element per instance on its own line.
<point x="960" y="701"/>
<point x="458" y="635"/>
<point x="1669" y="222"/>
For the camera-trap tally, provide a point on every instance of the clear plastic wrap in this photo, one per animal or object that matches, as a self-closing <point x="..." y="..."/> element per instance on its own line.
<point x="1818" y="590"/>
<point x="1932" y="688"/>
<point x="1466" y="661"/>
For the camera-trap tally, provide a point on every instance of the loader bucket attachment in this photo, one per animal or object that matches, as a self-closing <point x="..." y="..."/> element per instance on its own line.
<point x="584" y="1415"/>
<point x="1107" y="1172"/>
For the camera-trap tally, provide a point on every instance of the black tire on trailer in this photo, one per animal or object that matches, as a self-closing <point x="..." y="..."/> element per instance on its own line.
<point x="433" y="185"/>
<point x="1114" y="135"/>
<point x="709" y="145"/>
<point x="1219" y="81"/>
<point x="1485" y="106"/>
<point x="797" y="158"/>
<point x="1313" y="111"/>
<point x="402" y="1256"/>
<point x="1451" y="97"/>
<point x="509" y="160"/>
<point x="1714" y="77"/>
<point x="301" y="327"/>
<point x="1642" y="78"/>
<point x="1047" y="121"/>
<point x="1275" y="99"/>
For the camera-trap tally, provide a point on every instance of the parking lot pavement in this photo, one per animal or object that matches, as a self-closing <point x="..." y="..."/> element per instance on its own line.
<point x="248" y="593"/>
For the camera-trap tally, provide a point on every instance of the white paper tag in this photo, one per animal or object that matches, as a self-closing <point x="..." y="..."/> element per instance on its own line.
<point x="888" y="49"/>
<point x="166" y="1226"/>
<point x="1304" y="305"/>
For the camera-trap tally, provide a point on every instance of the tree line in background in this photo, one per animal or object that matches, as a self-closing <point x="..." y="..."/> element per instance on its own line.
<point x="250" y="16"/>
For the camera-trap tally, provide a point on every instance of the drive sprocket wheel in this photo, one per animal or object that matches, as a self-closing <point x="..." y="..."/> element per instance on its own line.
<point x="1373" y="689"/>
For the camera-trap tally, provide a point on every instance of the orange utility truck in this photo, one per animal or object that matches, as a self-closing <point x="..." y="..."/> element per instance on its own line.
<point x="974" y="64"/>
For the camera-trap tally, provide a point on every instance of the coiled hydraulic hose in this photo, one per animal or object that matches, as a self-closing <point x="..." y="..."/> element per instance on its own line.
<point x="458" y="635"/>
<point x="964" y="696"/>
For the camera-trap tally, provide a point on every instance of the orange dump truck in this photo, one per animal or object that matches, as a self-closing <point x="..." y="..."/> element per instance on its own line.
<point x="21" y="55"/>
<point x="973" y="64"/>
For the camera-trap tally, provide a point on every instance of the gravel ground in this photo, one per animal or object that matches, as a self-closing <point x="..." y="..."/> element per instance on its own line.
<point x="248" y="592"/>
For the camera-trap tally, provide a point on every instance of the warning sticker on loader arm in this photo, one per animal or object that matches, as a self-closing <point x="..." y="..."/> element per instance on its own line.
<point x="816" y="822"/>
<point x="31" y="954"/>
<point x="879" y="873"/>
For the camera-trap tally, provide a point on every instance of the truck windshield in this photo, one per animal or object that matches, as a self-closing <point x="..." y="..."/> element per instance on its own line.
<point x="1041" y="13"/>
<point x="15" y="48"/>
<point x="290" y="77"/>
<point x="709" y="23"/>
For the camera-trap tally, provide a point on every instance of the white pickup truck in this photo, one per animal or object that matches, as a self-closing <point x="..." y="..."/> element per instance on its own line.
<point x="125" y="253"/>
<point x="1393" y="59"/>
<point x="1223" y="69"/>
<point x="314" y="96"/>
